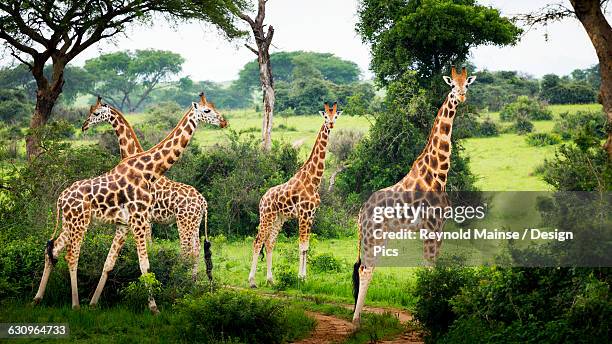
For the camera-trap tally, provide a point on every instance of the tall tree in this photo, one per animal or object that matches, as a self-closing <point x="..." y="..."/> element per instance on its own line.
<point x="590" y="13"/>
<point x="126" y="79"/>
<point x="38" y="31"/>
<point x="263" y="40"/>
<point x="427" y="36"/>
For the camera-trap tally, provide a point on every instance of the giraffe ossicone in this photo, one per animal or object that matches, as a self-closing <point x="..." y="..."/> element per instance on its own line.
<point x="297" y="198"/>
<point x="125" y="187"/>
<point x="428" y="173"/>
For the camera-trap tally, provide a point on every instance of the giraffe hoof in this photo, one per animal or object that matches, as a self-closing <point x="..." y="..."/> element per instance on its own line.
<point x="36" y="301"/>
<point x="76" y="307"/>
<point x="270" y="282"/>
<point x="253" y="285"/>
<point x="154" y="310"/>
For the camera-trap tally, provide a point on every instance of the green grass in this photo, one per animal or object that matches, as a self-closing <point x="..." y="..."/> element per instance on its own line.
<point x="391" y="287"/>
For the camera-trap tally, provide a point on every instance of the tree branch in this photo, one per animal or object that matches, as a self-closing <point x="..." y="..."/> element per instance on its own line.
<point x="255" y="51"/>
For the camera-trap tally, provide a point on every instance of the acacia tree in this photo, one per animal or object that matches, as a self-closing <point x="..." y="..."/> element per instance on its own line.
<point x="127" y="78"/>
<point x="263" y="40"/>
<point x="38" y="31"/>
<point x="590" y="13"/>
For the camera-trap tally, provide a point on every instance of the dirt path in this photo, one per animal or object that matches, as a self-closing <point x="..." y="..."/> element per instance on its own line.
<point x="329" y="329"/>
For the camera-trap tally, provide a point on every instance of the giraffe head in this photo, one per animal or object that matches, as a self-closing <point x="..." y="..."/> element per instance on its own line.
<point x="206" y="112"/>
<point x="330" y="114"/>
<point x="459" y="83"/>
<point x="98" y="113"/>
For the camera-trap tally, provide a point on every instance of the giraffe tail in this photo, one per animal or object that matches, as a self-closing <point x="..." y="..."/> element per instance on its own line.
<point x="207" y="245"/>
<point x="51" y="241"/>
<point x="357" y="266"/>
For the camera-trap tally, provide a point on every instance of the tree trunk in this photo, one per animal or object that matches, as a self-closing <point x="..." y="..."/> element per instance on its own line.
<point x="267" y="85"/>
<point x="597" y="27"/>
<point x="46" y="97"/>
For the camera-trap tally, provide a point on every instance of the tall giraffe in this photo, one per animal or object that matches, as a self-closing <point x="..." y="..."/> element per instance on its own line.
<point x="428" y="174"/>
<point x="123" y="196"/>
<point x="174" y="202"/>
<point x="297" y="198"/>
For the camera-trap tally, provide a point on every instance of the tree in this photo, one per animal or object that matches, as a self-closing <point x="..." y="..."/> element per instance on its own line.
<point x="263" y="40"/>
<point x="591" y="16"/>
<point x="126" y="78"/>
<point x="427" y="35"/>
<point x="36" y="32"/>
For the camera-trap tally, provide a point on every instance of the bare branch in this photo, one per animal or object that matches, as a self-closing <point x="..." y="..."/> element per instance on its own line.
<point x="255" y="51"/>
<point x="549" y="13"/>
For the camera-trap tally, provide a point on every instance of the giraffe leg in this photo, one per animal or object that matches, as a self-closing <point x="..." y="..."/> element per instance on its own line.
<point x="265" y="224"/>
<point x="72" y="257"/>
<point x="365" y="276"/>
<point x="190" y="240"/>
<point x="58" y="246"/>
<point x="305" y="225"/>
<point x="140" y="225"/>
<point x="269" y="244"/>
<point x="111" y="259"/>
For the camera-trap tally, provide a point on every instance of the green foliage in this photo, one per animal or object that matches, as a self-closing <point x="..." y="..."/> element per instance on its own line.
<point x="436" y="288"/>
<point x="522" y="125"/>
<point x="328" y="66"/>
<point x="164" y="115"/>
<point x="488" y="128"/>
<point x="240" y="316"/>
<point x="233" y="177"/>
<point x="493" y="90"/>
<point x="542" y="139"/>
<point x="326" y="262"/>
<point x="571" y="125"/>
<point x="526" y="107"/>
<point x="343" y="142"/>
<point x="125" y="79"/>
<point x="14" y="106"/>
<point x="285" y="277"/>
<point x="185" y="91"/>
<point x="576" y="168"/>
<point x="556" y="90"/>
<point x="136" y="294"/>
<point x="428" y="35"/>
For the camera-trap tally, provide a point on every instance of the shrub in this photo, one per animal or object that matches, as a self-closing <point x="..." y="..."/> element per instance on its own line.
<point x="570" y="125"/>
<point x="525" y="107"/>
<point x="542" y="139"/>
<point x="343" y="142"/>
<point x="435" y="289"/>
<point x="136" y="295"/>
<point x="576" y="168"/>
<point x="522" y="125"/>
<point x="239" y="316"/>
<point x="164" y="115"/>
<point x="488" y="128"/>
<point x="285" y="278"/>
<point x="72" y="115"/>
<point x="326" y="262"/>
<point x="15" y="106"/>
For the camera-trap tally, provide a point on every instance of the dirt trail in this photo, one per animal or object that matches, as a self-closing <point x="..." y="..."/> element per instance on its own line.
<point x="331" y="329"/>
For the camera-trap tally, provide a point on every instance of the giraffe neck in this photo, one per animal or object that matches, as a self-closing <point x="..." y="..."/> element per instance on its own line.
<point x="315" y="165"/>
<point x="157" y="160"/>
<point x="128" y="142"/>
<point x="433" y="164"/>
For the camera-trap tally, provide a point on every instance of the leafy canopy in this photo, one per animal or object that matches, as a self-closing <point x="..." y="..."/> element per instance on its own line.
<point x="428" y="35"/>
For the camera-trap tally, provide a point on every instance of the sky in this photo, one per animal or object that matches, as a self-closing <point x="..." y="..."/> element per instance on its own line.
<point x="329" y="26"/>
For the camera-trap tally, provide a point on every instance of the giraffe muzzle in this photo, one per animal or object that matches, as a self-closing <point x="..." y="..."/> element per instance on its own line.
<point x="223" y="123"/>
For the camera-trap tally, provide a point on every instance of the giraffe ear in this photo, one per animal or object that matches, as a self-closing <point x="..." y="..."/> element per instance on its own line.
<point x="448" y="80"/>
<point x="470" y="79"/>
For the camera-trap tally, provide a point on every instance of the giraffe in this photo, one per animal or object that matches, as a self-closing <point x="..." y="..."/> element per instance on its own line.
<point x="428" y="174"/>
<point x="123" y="196"/>
<point x="173" y="202"/>
<point x="297" y="198"/>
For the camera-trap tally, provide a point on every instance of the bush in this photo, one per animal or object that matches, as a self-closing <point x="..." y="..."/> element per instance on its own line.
<point x="569" y="125"/>
<point x="522" y="126"/>
<point x="343" y="142"/>
<point x="286" y="277"/>
<point x="15" y="106"/>
<point x="542" y="139"/>
<point x="72" y="115"/>
<point x="239" y="316"/>
<point x="164" y="115"/>
<point x="435" y="289"/>
<point x="525" y="107"/>
<point x="326" y="262"/>
<point x="488" y="128"/>
<point x="233" y="177"/>
<point x="576" y="168"/>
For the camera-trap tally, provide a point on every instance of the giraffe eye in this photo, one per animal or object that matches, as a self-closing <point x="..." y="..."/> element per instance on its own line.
<point x="206" y="110"/>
